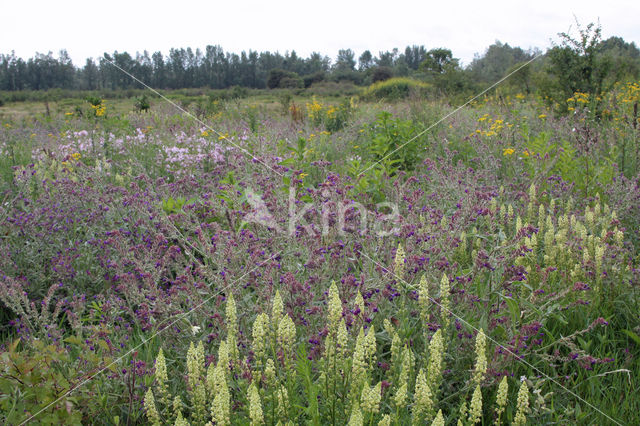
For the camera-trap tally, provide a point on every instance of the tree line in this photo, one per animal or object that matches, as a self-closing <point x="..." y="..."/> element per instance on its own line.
<point x="562" y="66"/>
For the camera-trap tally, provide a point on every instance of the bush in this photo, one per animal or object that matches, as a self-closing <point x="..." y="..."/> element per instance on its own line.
<point x="381" y="74"/>
<point x="395" y="89"/>
<point x="142" y="104"/>
<point x="279" y="78"/>
<point x="316" y="77"/>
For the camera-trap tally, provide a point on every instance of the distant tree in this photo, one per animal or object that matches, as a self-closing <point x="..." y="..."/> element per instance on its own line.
<point x="90" y="75"/>
<point x="345" y="61"/>
<point x="387" y="59"/>
<point x="365" y="61"/>
<point x="414" y="56"/>
<point x="159" y="79"/>
<point x="496" y="61"/>
<point x="437" y="61"/>
<point x="317" y="63"/>
<point x="624" y="58"/>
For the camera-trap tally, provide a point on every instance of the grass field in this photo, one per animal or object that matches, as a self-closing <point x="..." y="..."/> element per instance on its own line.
<point x="289" y="259"/>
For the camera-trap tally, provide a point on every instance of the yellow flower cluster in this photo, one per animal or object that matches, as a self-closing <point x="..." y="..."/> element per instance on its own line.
<point x="100" y="109"/>
<point x="578" y="99"/>
<point x="494" y="128"/>
<point x="314" y="109"/>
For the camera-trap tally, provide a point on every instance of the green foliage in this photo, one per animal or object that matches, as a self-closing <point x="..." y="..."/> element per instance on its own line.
<point x="175" y="205"/>
<point x="395" y="143"/>
<point x="395" y="89"/>
<point x="576" y="66"/>
<point x="279" y="78"/>
<point x="381" y="74"/>
<point x="35" y="380"/>
<point x="142" y="104"/>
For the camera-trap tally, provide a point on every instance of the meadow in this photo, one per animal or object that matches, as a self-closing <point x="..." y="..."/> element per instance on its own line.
<point x="296" y="259"/>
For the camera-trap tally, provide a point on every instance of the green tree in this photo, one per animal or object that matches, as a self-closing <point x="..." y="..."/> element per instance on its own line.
<point x="576" y="66"/>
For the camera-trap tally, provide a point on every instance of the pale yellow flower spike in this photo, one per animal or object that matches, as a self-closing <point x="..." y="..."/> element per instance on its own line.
<point x="161" y="376"/>
<point x="385" y="421"/>
<point x="423" y="398"/>
<point x="335" y="308"/>
<point x="277" y="308"/>
<point x="445" y="302"/>
<point x="400" y="396"/>
<point x="221" y="404"/>
<point x="259" y="334"/>
<point x="434" y="367"/>
<point x="398" y="264"/>
<point x="522" y="409"/>
<point x="232" y="328"/>
<point x="475" y="410"/>
<point x="359" y="303"/>
<point x="439" y="420"/>
<point x="481" y="358"/>
<point x="370" y="398"/>
<point x="150" y="407"/>
<point x="356" y="418"/>
<point x="501" y="399"/>
<point x="255" y="406"/>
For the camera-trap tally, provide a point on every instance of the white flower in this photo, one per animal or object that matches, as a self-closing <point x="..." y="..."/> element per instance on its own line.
<point x="195" y="329"/>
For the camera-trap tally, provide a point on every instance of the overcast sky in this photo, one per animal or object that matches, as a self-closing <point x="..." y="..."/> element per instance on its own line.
<point x="90" y="28"/>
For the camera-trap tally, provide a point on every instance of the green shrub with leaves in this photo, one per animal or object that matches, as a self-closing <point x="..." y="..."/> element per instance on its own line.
<point x="35" y="380"/>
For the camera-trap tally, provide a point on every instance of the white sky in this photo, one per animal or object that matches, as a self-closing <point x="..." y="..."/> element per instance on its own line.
<point x="88" y="28"/>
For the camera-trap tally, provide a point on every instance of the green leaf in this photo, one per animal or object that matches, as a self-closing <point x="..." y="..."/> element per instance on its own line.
<point x="514" y="308"/>
<point x="633" y="336"/>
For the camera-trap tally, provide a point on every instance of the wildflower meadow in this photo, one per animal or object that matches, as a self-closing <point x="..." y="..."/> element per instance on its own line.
<point x="322" y="260"/>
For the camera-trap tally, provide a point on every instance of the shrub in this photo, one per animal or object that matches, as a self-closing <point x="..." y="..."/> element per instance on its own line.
<point x="316" y="77"/>
<point x="381" y="74"/>
<point x="279" y="78"/>
<point x="395" y="89"/>
<point x="142" y="104"/>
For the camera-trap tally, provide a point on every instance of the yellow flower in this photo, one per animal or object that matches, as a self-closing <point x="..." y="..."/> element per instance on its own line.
<point x="508" y="151"/>
<point x="542" y="116"/>
<point x="68" y="113"/>
<point x="76" y="156"/>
